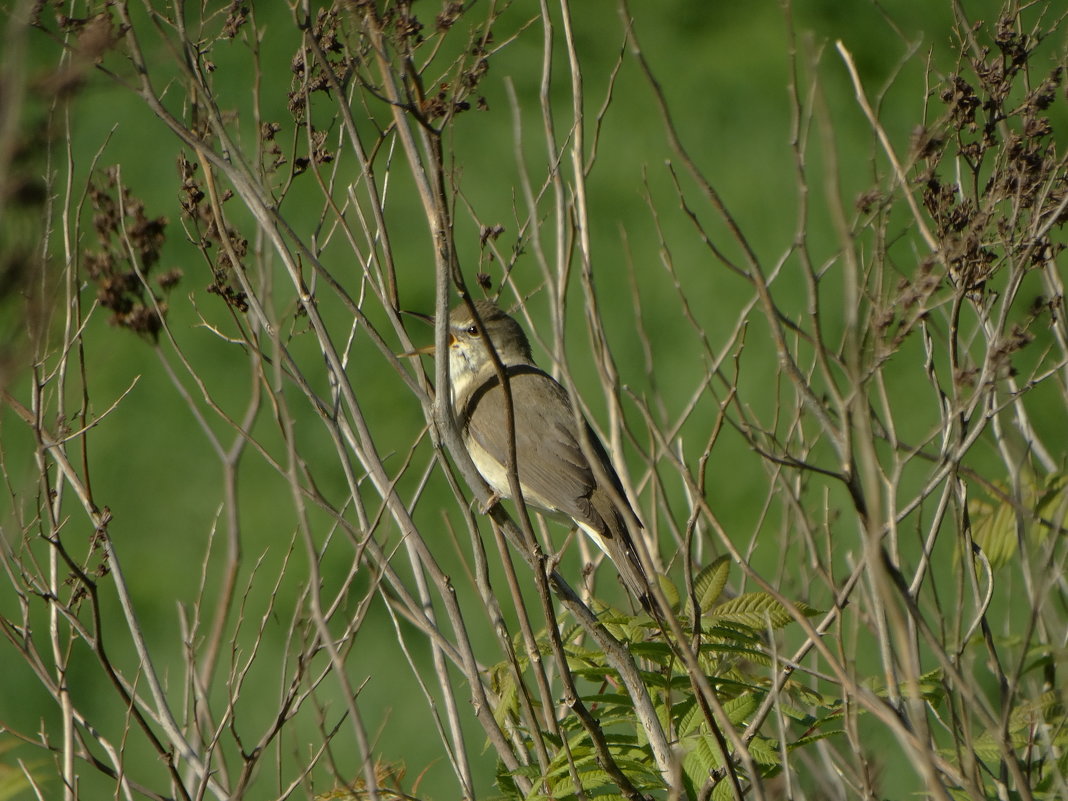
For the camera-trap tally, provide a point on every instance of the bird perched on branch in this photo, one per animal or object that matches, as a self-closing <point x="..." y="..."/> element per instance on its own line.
<point x="556" y="472"/>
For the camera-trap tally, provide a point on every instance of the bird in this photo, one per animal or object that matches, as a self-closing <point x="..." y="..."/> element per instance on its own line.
<point x="554" y="472"/>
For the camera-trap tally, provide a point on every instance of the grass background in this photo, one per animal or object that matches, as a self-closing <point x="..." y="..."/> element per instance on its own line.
<point x="724" y="68"/>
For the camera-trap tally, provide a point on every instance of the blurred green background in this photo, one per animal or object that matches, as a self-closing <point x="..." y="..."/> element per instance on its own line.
<point x="724" y="68"/>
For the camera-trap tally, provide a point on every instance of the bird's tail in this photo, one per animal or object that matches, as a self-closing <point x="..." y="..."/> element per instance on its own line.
<point x="615" y="540"/>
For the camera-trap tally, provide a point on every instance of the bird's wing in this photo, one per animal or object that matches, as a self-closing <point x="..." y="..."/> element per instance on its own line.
<point x="553" y="470"/>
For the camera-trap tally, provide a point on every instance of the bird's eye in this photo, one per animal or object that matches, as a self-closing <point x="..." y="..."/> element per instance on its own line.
<point x="472" y="330"/>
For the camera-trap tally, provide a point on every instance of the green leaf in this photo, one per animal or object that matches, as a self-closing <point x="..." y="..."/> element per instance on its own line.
<point x="757" y="610"/>
<point x="508" y="697"/>
<point x="1029" y="715"/>
<point x="506" y="783"/>
<point x="702" y="757"/>
<point x="594" y="673"/>
<point x="688" y="716"/>
<point x="669" y="590"/>
<point x="1051" y="505"/>
<point x="823" y="734"/>
<point x="589" y="779"/>
<point x="765" y="752"/>
<point x="740" y="708"/>
<point x="659" y="652"/>
<point x="709" y="583"/>
<point x="723" y="791"/>
<point x="608" y="699"/>
<point x="994" y="530"/>
<point x="1024" y="723"/>
<point x="994" y="519"/>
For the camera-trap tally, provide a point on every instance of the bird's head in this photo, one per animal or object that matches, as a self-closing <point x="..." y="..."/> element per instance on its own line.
<point x="469" y="355"/>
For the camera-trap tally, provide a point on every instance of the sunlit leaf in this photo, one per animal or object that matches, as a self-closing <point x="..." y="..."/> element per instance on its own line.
<point x="994" y="530"/>
<point x="757" y="610"/>
<point x="709" y="583"/>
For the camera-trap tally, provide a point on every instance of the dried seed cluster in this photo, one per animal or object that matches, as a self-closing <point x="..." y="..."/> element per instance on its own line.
<point x="128" y="247"/>
<point x="1013" y="184"/>
<point x="990" y="178"/>
<point x="204" y="230"/>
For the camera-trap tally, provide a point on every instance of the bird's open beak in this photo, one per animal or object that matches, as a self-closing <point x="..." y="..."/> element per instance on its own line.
<point x="426" y="351"/>
<point x="429" y="349"/>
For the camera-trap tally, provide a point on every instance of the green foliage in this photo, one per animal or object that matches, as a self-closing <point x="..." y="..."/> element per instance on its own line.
<point x="817" y="321"/>
<point x="1038" y="733"/>
<point x="997" y="523"/>
<point x="1040" y="720"/>
<point x="15" y="777"/>
<point x="709" y="583"/>
<point x="731" y="649"/>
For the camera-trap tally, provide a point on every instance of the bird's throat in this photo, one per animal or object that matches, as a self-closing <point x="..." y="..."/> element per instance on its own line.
<point x="465" y="376"/>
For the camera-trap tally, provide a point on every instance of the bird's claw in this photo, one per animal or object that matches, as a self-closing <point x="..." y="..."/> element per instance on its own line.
<point x="492" y="501"/>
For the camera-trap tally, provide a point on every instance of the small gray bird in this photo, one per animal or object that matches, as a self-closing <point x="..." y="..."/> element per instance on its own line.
<point x="554" y="473"/>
